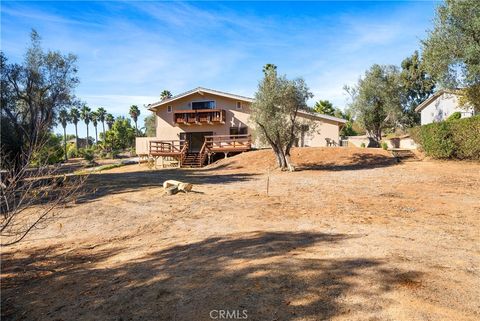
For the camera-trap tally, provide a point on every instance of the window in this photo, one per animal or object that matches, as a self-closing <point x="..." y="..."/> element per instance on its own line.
<point x="169" y="109"/>
<point x="239" y="105"/>
<point x="238" y="130"/>
<point x="203" y="104"/>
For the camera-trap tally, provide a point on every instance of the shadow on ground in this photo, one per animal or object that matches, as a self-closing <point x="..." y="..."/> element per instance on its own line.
<point x="265" y="273"/>
<point x="356" y="162"/>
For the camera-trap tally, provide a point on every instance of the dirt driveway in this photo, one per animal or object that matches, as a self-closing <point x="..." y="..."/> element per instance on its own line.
<point x="350" y="236"/>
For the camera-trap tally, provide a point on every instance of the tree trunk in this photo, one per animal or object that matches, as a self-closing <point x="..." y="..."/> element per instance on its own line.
<point x="65" y="142"/>
<point x="88" y="143"/>
<point x="96" y="135"/>
<point x="76" y="137"/>
<point x="104" y="137"/>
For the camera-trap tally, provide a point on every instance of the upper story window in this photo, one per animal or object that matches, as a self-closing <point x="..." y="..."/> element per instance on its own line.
<point x="210" y="104"/>
<point x="239" y="105"/>
<point x="169" y="109"/>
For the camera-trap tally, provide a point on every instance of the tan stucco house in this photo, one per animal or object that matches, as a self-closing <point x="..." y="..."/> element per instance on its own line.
<point x="440" y="106"/>
<point x="200" y="122"/>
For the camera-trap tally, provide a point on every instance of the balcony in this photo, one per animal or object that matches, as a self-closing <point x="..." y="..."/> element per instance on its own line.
<point x="199" y="117"/>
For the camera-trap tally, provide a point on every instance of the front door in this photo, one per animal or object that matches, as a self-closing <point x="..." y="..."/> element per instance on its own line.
<point x="196" y="140"/>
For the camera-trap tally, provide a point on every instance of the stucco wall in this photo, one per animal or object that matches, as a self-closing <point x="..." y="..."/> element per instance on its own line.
<point x="168" y="130"/>
<point x="442" y="107"/>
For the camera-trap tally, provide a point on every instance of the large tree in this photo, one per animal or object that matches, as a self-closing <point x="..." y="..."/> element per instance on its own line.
<point x="101" y="113"/>
<point x="122" y="134"/>
<point x="418" y="86"/>
<point x="32" y="93"/>
<point x="165" y="95"/>
<point x="109" y="119"/>
<point x="74" y="118"/>
<point x="94" y="117"/>
<point x="275" y="113"/>
<point x="150" y="126"/>
<point x="134" y="113"/>
<point x="451" y="51"/>
<point x="64" y="118"/>
<point x="377" y="100"/>
<point x="324" y="107"/>
<point x="85" y="115"/>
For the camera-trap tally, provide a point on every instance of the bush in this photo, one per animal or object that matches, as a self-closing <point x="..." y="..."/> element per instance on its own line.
<point x="72" y="151"/>
<point x="457" y="138"/>
<point x="52" y="151"/>
<point x="384" y="145"/>
<point x="362" y="145"/>
<point x="88" y="154"/>
<point x="455" y="115"/>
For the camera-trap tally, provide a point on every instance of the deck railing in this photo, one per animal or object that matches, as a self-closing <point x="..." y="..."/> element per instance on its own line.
<point x="199" y="116"/>
<point x="228" y="142"/>
<point x="158" y="147"/>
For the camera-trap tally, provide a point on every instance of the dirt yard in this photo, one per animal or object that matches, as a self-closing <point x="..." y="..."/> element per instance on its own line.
<point x="351" y="235"/>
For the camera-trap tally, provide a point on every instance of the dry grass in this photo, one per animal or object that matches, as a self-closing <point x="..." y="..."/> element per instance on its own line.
<point x="352" y="236"/>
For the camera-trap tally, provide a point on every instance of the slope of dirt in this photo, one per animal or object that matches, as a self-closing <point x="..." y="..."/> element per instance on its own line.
<point x="350" y="237"/>
<point x="329" y="158"/>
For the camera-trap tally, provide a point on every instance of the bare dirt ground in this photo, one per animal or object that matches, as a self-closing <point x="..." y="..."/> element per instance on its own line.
<point x="350" y="236"/>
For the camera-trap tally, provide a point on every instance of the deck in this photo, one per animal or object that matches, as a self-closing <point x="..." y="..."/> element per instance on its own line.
<point x="179" y="149"/>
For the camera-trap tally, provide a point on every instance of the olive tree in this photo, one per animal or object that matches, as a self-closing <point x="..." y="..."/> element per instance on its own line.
<point x="275" y="110"/>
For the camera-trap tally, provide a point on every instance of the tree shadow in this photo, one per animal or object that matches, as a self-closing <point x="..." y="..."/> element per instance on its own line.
<point x="357" y="161"/>
<point x="271" y="275"/>
<point x="101" y="184"/>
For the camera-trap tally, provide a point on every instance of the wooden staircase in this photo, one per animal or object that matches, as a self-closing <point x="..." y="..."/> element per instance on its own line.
<point x="193" y="160"/>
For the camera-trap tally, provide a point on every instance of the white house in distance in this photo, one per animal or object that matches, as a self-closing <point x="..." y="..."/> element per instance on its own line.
<point x="440" y="106"/>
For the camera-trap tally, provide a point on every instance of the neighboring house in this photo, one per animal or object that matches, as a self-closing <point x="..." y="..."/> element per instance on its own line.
<point x="440" y="106"/>
<point x="220" y="121"/>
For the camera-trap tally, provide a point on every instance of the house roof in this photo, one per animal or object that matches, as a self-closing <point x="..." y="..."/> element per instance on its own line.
<point x="153" y="106"/>
<point x="199" y="90"/>
<point x="433" y="97"/>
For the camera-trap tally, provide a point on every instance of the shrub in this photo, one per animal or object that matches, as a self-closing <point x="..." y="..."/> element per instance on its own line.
<point x="384" y="145"/>
<point x="72" y="151"/>
<point x="457" y="138"/>
<point x="51" y="152"/>
<point x="455" y="115"/>
<point x="88" y="154"/>
<point x="362" y="145"/>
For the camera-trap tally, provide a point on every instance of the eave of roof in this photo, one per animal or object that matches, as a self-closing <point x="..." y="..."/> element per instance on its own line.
<point x="198" y="90"/>
<point x="323" y="116"/>
<point x="433" y="97"/>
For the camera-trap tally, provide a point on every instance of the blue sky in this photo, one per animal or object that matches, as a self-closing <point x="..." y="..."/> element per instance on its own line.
<point x="128" y="52"/>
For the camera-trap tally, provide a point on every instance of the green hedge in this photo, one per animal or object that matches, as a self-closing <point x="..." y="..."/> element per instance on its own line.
<point x="457" y="138"/>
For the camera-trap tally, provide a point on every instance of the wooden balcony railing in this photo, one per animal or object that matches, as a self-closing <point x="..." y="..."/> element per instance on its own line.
<point x="167" y="148"/>
<point x="199" y="116"/>
<point x="228" y="142"/>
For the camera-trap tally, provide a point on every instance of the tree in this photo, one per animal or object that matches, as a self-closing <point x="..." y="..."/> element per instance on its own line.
<point x="122" y="134"/>
<point x="74" y="118"/>
<point x="165" y="95"/>
<point x="324" y="107"/>
<point x="418" y="86"/>
<point x="275" y="110"/>
<point x="269" y="68"/>
<point x="150" y="126"/>
<point x="451" y="52"/>
<point x="64" y="118"/>
<point x="32" y="93"/>
<point x="101" y="113"/>
<point x="94" y="117"/>
<point x="109" y="119"/>
<point x="134" y="113"/>
<point x="377" y="100"/>
<point x="86" y="117"/>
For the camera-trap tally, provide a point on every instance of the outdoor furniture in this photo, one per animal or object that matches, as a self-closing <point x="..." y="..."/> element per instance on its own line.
<point x="330" y="142"/>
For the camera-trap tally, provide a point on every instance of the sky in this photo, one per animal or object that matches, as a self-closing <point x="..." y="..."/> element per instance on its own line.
<point x="129" y="51"/>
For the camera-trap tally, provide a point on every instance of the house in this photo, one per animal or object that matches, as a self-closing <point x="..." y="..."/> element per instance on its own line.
<point x="194" y="126"/>
<point x="440" y="106"/>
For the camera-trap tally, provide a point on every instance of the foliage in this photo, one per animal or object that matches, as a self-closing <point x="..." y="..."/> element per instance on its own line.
<point x="165" y="95"/>
<point x="275" y="110"/>
<point x="101" y="114"/>
<point x="348" y="129"/>
<point x="451" y="51"/>
<point x="88" y="154"/>
<point x="134" y="113"/>
<point x="362" y="145"/>
<point x="150" y="126"/>
<point x="324" y="107"/>
<point x="384" y="145"/>
<point x="121" y="135"/>
<point x="85" y="115"/>
<point x="32" y="93"/>
<point x="456" y="138"/>
<point x="455" y="115"/>
<point x="418" y="85"/>
<point x="51" y="152"/>
<point x="377" y="100"/>
<point x="72" y="151"/>
<point x="109" y="119"/>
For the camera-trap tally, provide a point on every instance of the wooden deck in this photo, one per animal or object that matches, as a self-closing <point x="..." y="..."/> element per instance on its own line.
<point x="178" y="149"/>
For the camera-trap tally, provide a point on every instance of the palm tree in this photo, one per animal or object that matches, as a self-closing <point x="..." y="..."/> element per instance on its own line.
<point x="109" y="119"/>
<point x="64" y="118"/>
<point x="94" y="118"/>
<point x="74" y="118"/>
<point x="85" y="115"/>
<point x="134" y="113"/>
<point x="165" y="95"/>
<point x="268" y="67"/>
<point x="101" y="113"/>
